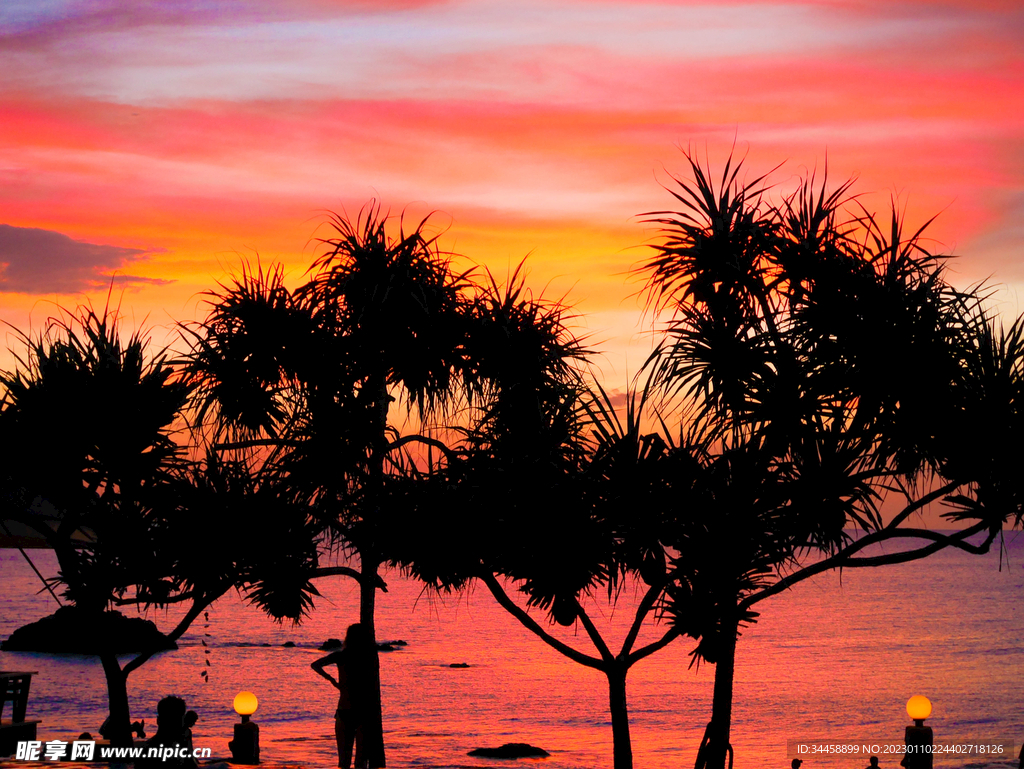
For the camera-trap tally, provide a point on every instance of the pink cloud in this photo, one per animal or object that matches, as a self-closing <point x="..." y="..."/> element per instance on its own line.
<point x="540" y="127"/>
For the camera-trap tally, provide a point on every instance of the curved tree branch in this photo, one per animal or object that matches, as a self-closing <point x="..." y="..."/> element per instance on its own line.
<point x="927" y="499"/>
<point x="845" y="557"/>
<point x="646" y="651"/>
<point x="530" y="623"/>
<point x="346" y="571"/>
<point x="646" y="604"/>
<point x="426" y="440"/>
<point x="197" y="608"/>
<point x="595" y="636"/>
<point x="939" y="542"/>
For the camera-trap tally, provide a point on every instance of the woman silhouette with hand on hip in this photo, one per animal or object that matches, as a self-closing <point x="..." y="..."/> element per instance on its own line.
<point x="353" y="661"/>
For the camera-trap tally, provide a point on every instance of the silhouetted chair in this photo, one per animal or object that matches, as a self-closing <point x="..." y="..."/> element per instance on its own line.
<point x="14" y="689"/>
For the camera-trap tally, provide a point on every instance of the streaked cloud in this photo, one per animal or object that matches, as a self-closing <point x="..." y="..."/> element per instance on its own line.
<point x="35" y="261"/>
<point x="447" y="50"/>
<point x="215" y="129"/>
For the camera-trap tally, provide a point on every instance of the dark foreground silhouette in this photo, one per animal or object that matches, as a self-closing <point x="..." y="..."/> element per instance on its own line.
<point x="171" y="732"/>
<point x="75" y="630"/>
<point x="354" y="693"/>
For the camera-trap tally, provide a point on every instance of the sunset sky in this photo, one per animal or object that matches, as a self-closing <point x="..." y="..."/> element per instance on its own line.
<point x="167" y="143"/>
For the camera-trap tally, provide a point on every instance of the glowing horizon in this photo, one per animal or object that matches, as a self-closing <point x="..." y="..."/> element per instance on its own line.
<point x="175" y="141"/>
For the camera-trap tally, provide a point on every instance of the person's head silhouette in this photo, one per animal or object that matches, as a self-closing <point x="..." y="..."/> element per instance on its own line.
<point x="796" y="763"/>
<point x="356" y="638"/>
<point x="873" y="761"/>
<point x="170" y="715"/>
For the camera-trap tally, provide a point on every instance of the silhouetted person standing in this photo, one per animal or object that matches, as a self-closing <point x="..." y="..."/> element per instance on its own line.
<point x="353" y="661"/>
<point x="872" y="763"/>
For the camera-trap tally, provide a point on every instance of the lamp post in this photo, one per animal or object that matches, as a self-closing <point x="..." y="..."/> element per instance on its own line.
<point x="245" y="748"/>
<point x="918" y="738"/>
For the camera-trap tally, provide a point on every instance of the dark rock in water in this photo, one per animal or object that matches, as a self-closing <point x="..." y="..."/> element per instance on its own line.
<point x="288" y="644"/>
<point x="511" y="750"/>
<point x="385" y="647"/>
<point x="264" y="644"/>
<point x="71" y="630"/>
<point x="330" y="643"/>
<point x="460" y="665"/>
<point x="399" y="643"/>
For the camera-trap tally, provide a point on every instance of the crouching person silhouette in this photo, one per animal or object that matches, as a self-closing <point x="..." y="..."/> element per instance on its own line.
<point x="353" y="661"/>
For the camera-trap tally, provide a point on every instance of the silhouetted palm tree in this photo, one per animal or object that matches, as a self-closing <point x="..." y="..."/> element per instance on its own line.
<point x="828" y="360"/>
<point x="311" y="375"/>
<point x="87" y="423"/>
<point x="551" y="492"/>
<point x="92" y="464"/>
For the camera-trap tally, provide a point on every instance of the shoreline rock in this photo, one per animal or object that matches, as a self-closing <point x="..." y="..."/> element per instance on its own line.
<point x="510" y="750"/>
<point x="71" y="630"/>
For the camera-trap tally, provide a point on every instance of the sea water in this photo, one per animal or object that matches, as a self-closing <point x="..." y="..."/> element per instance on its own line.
<point x="835" y="658"/>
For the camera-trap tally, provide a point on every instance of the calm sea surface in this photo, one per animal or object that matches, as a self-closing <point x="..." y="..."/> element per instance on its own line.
<point x="836" y="658"/>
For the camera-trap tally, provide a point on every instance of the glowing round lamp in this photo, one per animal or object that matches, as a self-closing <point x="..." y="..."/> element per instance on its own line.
<point x="246" y="703"/>
<point x="245" y="748"/>
<point x="918" y="707"/>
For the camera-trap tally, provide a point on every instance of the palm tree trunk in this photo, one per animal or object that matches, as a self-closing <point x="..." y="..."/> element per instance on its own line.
<point x="719" y="747"/>
<point x="373" y="734"/>
<point x="369" y="562"/>
<point x="120" y="723"/>
<point x="622" y="748"/>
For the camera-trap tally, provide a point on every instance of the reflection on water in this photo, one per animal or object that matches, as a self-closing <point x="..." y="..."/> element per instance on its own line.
<point x="833" y="659"/>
